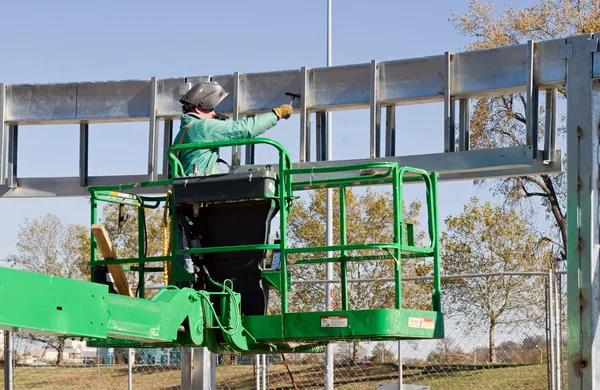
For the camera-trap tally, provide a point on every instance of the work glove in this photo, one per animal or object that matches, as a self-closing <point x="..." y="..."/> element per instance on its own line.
<point x="284" y="111"/>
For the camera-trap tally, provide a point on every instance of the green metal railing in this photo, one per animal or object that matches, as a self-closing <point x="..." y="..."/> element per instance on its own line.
<point x="369" y="174"/>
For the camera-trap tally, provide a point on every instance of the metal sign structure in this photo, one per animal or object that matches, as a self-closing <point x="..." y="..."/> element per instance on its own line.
<point x="533" y="68"/>
<point x="379" y="86"/>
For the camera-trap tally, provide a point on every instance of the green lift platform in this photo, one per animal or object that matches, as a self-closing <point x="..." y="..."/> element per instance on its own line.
<point x="226" y="219"/>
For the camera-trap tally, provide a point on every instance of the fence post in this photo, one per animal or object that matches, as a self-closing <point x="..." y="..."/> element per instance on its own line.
<point x="264" y="371"/>
<point x="130" y="360"/>
<point x="8" y="360"/>
<point x="550" y="334"/>
<point x="399" y="364"/>
<point x="558" y="327"/>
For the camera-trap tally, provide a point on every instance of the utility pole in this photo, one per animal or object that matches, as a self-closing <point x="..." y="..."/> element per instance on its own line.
<point x="329" y="377"/>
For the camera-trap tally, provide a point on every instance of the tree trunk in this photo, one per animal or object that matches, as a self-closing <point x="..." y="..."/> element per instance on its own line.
<point x="356" y="351"/>
<point x="60" y="349"/>
<point x="492" y="342"/>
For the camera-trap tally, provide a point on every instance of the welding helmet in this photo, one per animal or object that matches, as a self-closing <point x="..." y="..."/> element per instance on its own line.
<point x="206" y="95"/>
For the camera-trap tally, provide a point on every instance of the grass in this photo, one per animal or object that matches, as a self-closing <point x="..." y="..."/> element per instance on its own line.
<point x="306" y="376"/>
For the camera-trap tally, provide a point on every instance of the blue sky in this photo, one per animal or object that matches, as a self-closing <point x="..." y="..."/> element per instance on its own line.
<point x="66" y="41"/>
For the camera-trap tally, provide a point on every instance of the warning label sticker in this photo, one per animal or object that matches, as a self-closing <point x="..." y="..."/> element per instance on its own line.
<point x="334" y="322"/>
<point x="423" y="323"/>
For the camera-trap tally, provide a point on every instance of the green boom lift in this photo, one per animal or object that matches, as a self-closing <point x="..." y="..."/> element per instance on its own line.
<point x="224" y="308"/>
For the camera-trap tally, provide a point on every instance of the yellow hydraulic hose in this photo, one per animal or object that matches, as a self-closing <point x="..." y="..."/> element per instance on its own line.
<point x="166" y="240"/>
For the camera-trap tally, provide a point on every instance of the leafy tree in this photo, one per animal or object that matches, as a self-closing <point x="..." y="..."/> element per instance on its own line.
<point x="500" y="121"/>
<point x="381" y="354"/>
<point x="369" y="220"/>
<point x="47" y="245"/>
<point x="447" y="352"/>
<point x="490" y="239"/>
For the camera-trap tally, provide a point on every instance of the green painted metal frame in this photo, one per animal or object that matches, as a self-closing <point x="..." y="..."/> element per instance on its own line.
<point x="229" y="332"/>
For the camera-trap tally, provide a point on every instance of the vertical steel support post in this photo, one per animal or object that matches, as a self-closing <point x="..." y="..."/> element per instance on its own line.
<point x="321" y="135"/>
<point x="153" y="140"/>
<point x="8" y="360"/>
<point x="13" y="149"/>
<point x="375" y="113"/>
<point x="84" y="142"/>
<point x="198" y="369"/>
<point x="3" y="134"/>
<point x="304" y="116"/>
<point x="449" y="106"/>
<point x="464" y="118"/>
<point x="550" y="132"/>
<point x="532" y="100"/>
<point x="236" y="150"/>
<point x="390" y="131"/>
<point x="167" y="140"/>
<point x="583" y="225"/>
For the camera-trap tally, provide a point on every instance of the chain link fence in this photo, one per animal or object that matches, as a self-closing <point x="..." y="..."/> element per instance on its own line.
<point x="527" y="338"/>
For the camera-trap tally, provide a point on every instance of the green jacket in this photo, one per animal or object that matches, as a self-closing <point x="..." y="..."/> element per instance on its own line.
<point x="202" y="130"/>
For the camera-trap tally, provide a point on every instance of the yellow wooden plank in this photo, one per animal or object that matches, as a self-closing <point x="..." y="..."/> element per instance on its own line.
<point x="108" y="252"/>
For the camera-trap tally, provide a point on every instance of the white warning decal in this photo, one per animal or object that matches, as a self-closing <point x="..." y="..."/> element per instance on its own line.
<point x="334" y="322"/>
<point x="423" y="323"/>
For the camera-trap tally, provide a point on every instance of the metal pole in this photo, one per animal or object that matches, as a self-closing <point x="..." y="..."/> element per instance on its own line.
<point x="550" y="331"/>
<point x="130" y="359"/>
<point x="257" y="372"/>
<point x="399" y="364"/>
<point x="264" y="372"/>
<point x="329" y="377"/>
<point x="198" y="369"/>
<point x="8" y="360"/>
<point x="558" y="332"/>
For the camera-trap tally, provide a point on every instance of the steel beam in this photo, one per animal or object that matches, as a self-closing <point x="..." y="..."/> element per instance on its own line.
<point x="13" y="149"/>
<point x="464" y="136"/>
<point x="375" y="112"/>
<point x="532" y="97"/>
<point x="583" y="225"/>
<point x="153" y="133"/>
<point x="167" y="141"/>
<point x="304" y="116"/>
<point x="390" y="131"/>
<point x="236" y="151"/>
<point x="550" y="132"/>
<point x="449" y="106"/>
<point x="418" y="80"/>
<point x="321" y="135"/>
<point x="474" y="164"/>
<point x="84" y="138"/>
